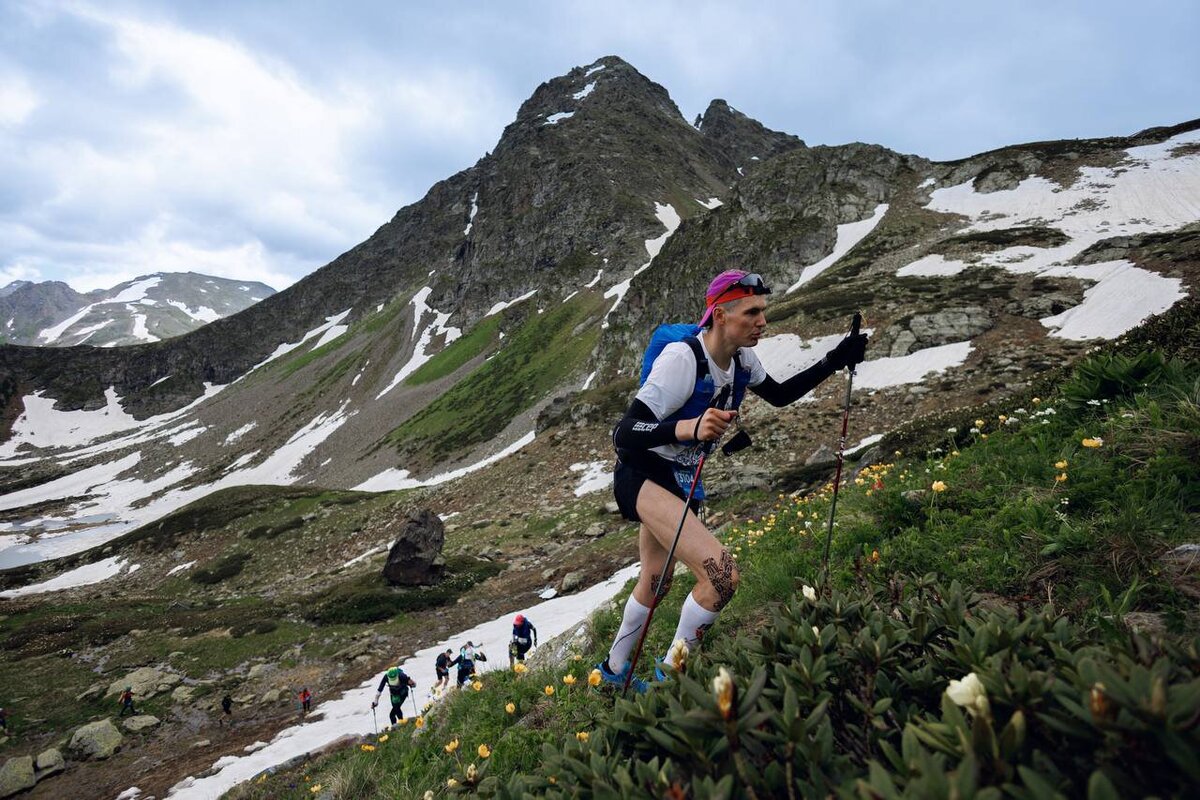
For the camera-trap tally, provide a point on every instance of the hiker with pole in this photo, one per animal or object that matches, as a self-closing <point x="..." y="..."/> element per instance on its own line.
<point x="398" y="684"/>
<point x="693" y="381"/>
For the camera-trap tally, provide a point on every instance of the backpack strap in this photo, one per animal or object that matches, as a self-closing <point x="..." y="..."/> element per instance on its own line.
<point x="701" y="360"/>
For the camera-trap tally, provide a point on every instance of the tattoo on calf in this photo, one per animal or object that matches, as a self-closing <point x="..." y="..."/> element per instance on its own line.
<point x="720" y="575"/>
<point x="666" y="589"/>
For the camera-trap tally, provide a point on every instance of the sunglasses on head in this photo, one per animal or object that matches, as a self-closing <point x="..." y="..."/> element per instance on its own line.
<point x="752" y="280"/>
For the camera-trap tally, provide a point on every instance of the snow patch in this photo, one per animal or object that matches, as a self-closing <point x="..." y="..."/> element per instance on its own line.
<point x="239" y="433"/>
<point x="912" y="368"/>
<point x="180" y="568"/>
<point x="669" y="217"/>
<point x="80" y="576"/>
<point x="585" y="91"/>
<point x="474" y="211"/>
<point x="711" y="203"/>
<point x="554" y="119"/>
<point x="393" y="479"/>
<point x="496" y="309"/>
<point x="596" y="476"/>
<point x="848" y="236"/>
<point x="420" y="354"/>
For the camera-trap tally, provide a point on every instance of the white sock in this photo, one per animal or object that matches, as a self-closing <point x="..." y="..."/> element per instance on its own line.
<point x="627" y="636"/>
<point x="694" y="620"/>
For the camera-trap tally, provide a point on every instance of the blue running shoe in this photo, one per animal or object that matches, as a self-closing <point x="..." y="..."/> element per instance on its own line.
<point x="659" y="674"/>
<point x="617" y="679"/>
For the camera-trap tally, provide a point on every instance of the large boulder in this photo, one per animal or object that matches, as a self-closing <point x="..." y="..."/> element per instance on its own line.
<point x="146" y="682"/>
<point x="95" y="740"/>
<point x="16" y="775"/>
<point x="140" y="723"/>
<point x="416" y="557"/>
<point x="49" y="762"/>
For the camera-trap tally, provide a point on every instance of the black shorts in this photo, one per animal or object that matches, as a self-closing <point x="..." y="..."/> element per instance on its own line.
<point x="631" y="473"/>
<point x="442" y="673"/>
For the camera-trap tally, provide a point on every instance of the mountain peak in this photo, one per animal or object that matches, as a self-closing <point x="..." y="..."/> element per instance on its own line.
<point x="740" y="137"/>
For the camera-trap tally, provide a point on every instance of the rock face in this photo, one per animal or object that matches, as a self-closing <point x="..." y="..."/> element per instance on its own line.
<point x="95" y="741"/>
<point x="941" y="327"/>
<point x="16" y="775"/>
<point x="416" y="557"/>
<point x="146" y="682"/>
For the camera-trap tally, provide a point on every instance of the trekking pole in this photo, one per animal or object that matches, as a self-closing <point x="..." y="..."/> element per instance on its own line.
<point x="413" y="697"/>
<point x="375" y="719"/>
<point x="662" y="579"/>
<point x="837" y="478"/>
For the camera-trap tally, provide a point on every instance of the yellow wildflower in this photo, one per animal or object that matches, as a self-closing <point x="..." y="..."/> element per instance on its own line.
<point x="1037" y="401"/>
<point x="383" y="738"/>
<point x="549" y="690"/>
<point x="552" y="779"/>
<point x="577" y="657"/>
<point x="1060" y="464"/>
<point x="874" y="556"/>
<point x="419" y="722"/>
<point x="938" y="486"/>
<point x="316" y="787"/>
<point x="1003" y="417"/>
<point x="594" y="678"/>
<point x="979" y="423"/>
<point x="1060" y="478"/>
<point x="582" y="736"/>
<point x="569" y="679"/>
<point x="452" y="745"/>
<point x="451" y="783"/>
<point x="510" y="708"/>
<point x="520" y="668"/>
<point x="471" y="772"/>
<point x="368" y="748"/>
<point x="484" y="751"/>
<point x="476" y="685"/>
<point x="403" y="721"/>
<point x="1090" y="442"/>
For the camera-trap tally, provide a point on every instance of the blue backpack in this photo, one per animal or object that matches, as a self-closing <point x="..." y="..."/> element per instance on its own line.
<point x="702" y="395"/>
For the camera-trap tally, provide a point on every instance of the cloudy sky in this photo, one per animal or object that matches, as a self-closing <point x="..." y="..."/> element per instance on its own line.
<point x="258" y="140"/>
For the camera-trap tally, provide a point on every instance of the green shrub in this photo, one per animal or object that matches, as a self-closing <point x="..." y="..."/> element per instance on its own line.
<point x="847" y="696"/>
<point x="222" y="569"/>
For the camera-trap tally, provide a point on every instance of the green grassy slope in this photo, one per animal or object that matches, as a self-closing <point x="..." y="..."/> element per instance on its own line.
<point x="1060" y="511"/>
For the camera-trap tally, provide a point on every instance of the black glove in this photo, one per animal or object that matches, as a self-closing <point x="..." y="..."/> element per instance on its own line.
<point x="849" y="352"/>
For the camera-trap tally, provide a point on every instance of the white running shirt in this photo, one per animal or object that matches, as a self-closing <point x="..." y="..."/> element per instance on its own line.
<point x="672" y="380"/>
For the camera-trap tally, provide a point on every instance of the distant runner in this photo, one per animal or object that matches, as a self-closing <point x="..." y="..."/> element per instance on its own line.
<point x="126" y="701"/>
<point x="524" y="637"/>
<point x="398" y="684"/>
<point x="442" y="668"/>
<point x="467" y="656"/>
<point x="305" y="700"/>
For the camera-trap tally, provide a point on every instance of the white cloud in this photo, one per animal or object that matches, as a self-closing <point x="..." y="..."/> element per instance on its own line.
<point x="17" y="99"/>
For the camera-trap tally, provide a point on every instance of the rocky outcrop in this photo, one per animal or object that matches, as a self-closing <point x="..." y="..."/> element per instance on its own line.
<point x="97" y="740"/>
<point x="16" y="775"/>
<point x="145" y="682"/>
<point x="940" y="327"/>
<point x="415" y="558"/>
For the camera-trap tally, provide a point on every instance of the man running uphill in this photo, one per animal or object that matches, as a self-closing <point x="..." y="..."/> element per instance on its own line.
<point x="398" y="685"/>
<point x="659" y="443"/>
<point x="521" y="642"/>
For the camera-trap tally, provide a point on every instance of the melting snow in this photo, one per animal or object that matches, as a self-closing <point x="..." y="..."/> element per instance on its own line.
<point x="436" y="328"/>
<point x="596" y="68"/>
<point x="379" y="549"/>
<point x="848" y="235"/>
<point x="594" y="280"/>
<point x="711" y="203"/>
<point x="554" y="119"/>
<point x="201" y="314"/>
<point x="80" y="576"/>
<point x="393" y="479"/>
<point x="239" y="433"/>
<point x="669" y="217"/>
<point x="130" y="294"/>
<point x="187" y="434"/>
<point x="1154" y="190"/>
<point x="181" y="568"/>
<point x="596" y="476"/>
<point x="588" y="382"/>
<point x="474" y="211"/>
<point x="288" y="347"/>
<point x="912" y="368"/>
<point x="351" y="713"/>
<point x="585" y="91"/>
<point x="496" y="309"/>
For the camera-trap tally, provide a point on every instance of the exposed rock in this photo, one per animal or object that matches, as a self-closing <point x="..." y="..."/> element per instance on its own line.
<point x="201" y="743"/>
<point x="1044" y="305"/>
<point x="914" y="497"/>
<point x="547" y="574"/>
<point x="594" y="531"/>
<point x="611" y="507"/>
<point x="183" y="694"/>
<point x="416" y="557"/>
<point x="272" y="696"/>
<point x="823" y="455"/>
<point x="941" y="327"/>
<point x="95" y="740"/>
<point x="570" y="582"/>
<point x="259" y="670"/>
<point x="93" y="692"/>
<point x="146" y="682"/>
<point x="1182" y="564"/>
<point x="16" y="775"/>
<point x="49" y="762"/>
<point x="141" y="722"/>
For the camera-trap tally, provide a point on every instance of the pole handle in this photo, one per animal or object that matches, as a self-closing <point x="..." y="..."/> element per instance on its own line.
<point x="856" y="323"/>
